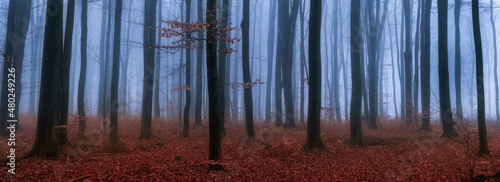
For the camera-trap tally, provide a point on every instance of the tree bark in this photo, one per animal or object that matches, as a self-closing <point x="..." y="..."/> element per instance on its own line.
<point x="156" y="89"/>
<point x="481" y="118"/>
<point x="444" y="86"/>
<point x="82" y="126"/>
<point x="245" y="26"/>
<point x="357" y="85"/>
<point x="62" y="132"/>
<point x="425" y="64"/>
<point x="214" y="146"/>
<point x="199" y="73"/>
<point x="495" y="62"/>
<point x="458" y="62"/>
<point x="149" y="67"/>
<point x="408" y="61"/>
<point x="49" y="109"/>
<point x="313" y="141"/>
<point x="270" y="52"/>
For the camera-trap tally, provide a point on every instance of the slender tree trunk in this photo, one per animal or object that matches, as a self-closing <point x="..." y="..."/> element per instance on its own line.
<point x="222" y="66"/>
<point x="187" y="106"/>
<point x="458" y="62"/>
<point x="124" y="85"/>
<point x="495" y="62"/>
<point x="444" y="86"/>
<point x="82" y="126"/>
<point x="245" y="26"/>
<point x="357" y="85"/>
<point x="393" y="71"/>
<point x="199" y="73"/>
<point x="156" y="91"/>
<point x="103" y="44"/>
<point x="372" y="66"/>
<point x="425" y="69"/>
<point x="481" y="123"/>
<point x="416" y="76"/>
<point x="283" y="7"/>
<point x="114" y="142"/>
<point x="62" y="132"/>
<point x="336" y="70"/>
<point x="313" y="141"/>
<point x="302" y="61"/>
<point x="408" y="61"/>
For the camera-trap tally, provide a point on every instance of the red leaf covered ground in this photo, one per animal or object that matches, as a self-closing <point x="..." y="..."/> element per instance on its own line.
<point x="392" y="152"/>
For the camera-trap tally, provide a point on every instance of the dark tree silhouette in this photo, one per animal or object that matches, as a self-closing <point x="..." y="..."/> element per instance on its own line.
<point x="49" y="109"/>
<point x="114" y="142"/>
<point x="495" y="61"/>
<point x="62" y="132"/>
<point x="446" y="114"/>
<point x="313" y="141"/>
<point x="187" y="106"/>
<point x="222" y="65"/>
<point x="357" y="85"/>
<point x="458" y="63"/>
<point x="481" y="119"/>
<point x="245" y="26"/>
<point x="149" y="67"/>
<point x="408" y="60"/>
<point x="270" y="51"/>
<point x="199" y="70"/>
<point x="425" y="64"/>
<point x="83" y="70"/>
<point x="214" y="146"/>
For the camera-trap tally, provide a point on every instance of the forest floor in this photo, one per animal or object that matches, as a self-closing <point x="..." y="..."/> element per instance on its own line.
<point x="392" y="152"/>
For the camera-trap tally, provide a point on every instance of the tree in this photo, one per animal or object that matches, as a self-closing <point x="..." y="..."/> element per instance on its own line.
<point x="245" y="26"/>
<point x="270" y="52"/>
<point x="372" y="65"/>
<point x="187" y="106"/>
<point x="408" y="61"/>
<point x="425" y="63"/>
<point x="357" y="85"/>
<point x="199" y="70"/>
<point x="458" y="64"/>
<point x="313" y="141"/>
<point x="444" y="86"/>
<point x="214" y="146"/>
<point x="481" y="123"/>
<point x="102" y="61"/>
<point x="62" y="133"/>
<point x="149" y="67"/>
<point x="222" y="65"/>
<point x="156" y="89"/>
<point x="495" y="62"/>
<point x="287" y="23"/>
<point x="17" y="27"/>
<point x="49" y="109"/>
<point x="114" y="142"/>
<point x="83" y="70"/>
<point x="336" y="70"/>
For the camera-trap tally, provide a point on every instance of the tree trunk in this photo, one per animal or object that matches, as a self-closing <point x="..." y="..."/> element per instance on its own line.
<point x="425" y="64"/>
<point x="187" y="106"/>
<point x="49" y="109"/>
<point x="62" y="132"/>
<point x="313" y="141"/>
<point x="458" y="62"/>
<point x="283" y="7"/>
<point x="214" y="146"/>
<point x="114" y="142"/>
<point x="495" y="62"/>
<point x="245" y="26"/>
<point x="149" y="67"/>
<point x="83" y="70"/>
<point x="222" y="66"/>
<point x="481" y="118"/>
<point x="103" y="44"/>
<point x="336" y="70"/>
<point x="302" y="61"/>
<point x="408" y="61"/>
<point x="416" y="76"/>
<point x="357" y="85"/>
<point x="444" y="86"/>
<point x="156" y="89"/>
<point x="199" y="73"/>
<point x="372" y="66"/>
<point x="270" y="51"/>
